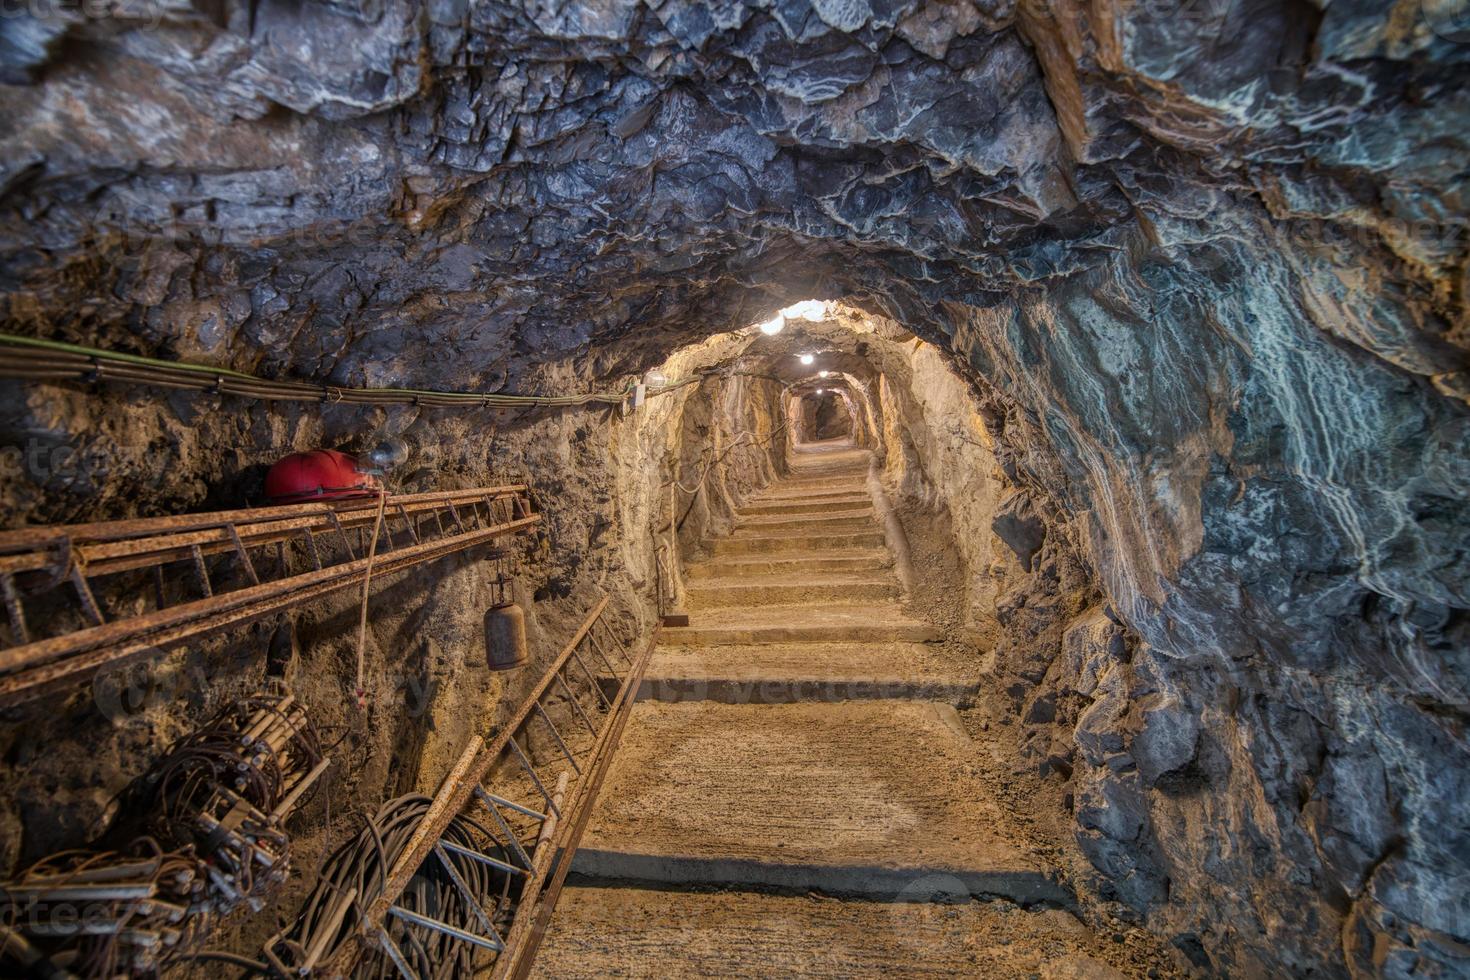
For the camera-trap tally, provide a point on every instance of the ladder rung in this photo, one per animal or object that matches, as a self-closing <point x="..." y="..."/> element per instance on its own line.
<point x="514" y="806"/>
<point x="482" y="858"/>
<point x="465" y="893"/>
<point x="596" y="687"/>
<point x="572" y="698"/>
<point x="446" y="929"/>
<point x="557" y="735"/>
<point x="396" y="955"/>
<point x="531" y="771"/>
<point x="510" y="835"/>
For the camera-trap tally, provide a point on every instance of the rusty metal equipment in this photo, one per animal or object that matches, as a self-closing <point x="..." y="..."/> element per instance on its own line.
<point x="405" y="905"/>
<point x="102" y="914"/>
<point x="447" y="891"/>
<point x="227" y="789"/>
<point x="505" y="636"/>
<point x="97" y="582"/>
<point x="219" y="801"/>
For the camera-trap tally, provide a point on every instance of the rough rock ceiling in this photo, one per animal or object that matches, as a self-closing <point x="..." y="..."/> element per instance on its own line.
<point x="306" y="187"/>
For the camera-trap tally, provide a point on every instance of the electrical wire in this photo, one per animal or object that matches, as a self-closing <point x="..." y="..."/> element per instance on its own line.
<point x="740" y="440"/>
<point x="109" y="929"/>
<point x="214" y="807"/>
<point x="223" y="956"/>
<point x="362" y="618"/>
<point x="40" y="360"/>
<point x="360" y="868"/>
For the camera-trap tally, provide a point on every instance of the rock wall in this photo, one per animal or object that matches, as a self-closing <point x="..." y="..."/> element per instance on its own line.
<point x="1273" y="515"/>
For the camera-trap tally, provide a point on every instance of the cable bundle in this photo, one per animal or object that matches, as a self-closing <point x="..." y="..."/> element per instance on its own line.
<point x="217" y="803"/>
<point x="101" y="913"/>
<point x="227" y="788"/>
<point x="35" y="359"/>
<point x="354" y="876"/>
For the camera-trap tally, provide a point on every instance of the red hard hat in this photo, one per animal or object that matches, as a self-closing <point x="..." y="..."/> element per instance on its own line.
<point x="322" y="474"/>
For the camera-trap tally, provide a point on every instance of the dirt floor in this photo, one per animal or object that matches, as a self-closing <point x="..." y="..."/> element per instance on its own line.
<point x="621" y="932"/>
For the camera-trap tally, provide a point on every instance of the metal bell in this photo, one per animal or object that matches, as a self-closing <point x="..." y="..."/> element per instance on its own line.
<point x="505" y="637"/>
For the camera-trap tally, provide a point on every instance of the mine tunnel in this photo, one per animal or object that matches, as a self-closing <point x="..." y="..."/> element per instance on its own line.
<point x="817" y="488"/>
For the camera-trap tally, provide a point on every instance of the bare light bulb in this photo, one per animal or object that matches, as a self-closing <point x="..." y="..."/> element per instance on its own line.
<point x="388" y="454"/>
<point x="807" y="309"/>
<point x="774" y="326"/>
<point x="823" y="374"/>
<point x="821" y="391"/>
<point x="807" y="358"/>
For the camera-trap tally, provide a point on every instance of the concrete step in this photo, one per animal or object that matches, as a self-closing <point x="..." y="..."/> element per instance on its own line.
<point x="748" y="592"/>
<point x="858" y="461"/>
<point x="796" y="544"/>
<point x="859" y="511"/>
<point x="601" y="932"/>
<point x="859" y="798"/>
<point x="829" y="456"/>
<point x="839" y="483"/>
<point x="816" y="564"/>
<point x="799" y="469"/>
<point x="827" y="523"/>
<point x="796" y="490"/>
<point x="784" y="674"/>
<point x="851" y="482"/>
<point x="802" y="505"/>
<point x="869" y="623"/>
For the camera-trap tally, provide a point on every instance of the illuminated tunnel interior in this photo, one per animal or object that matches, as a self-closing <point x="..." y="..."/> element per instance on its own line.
<point x="807" y="488"/>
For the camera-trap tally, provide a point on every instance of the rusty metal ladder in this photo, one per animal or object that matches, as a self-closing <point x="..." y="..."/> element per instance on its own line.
<point x="542" y="855"/>
<point x="40" y="561"/>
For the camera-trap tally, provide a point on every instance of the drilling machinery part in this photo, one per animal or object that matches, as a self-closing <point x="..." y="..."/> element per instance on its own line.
<point x="100" y="914"/>
<point x="227" y="789"/>
<point x="243" y="565"/>
<point x="218" y="800"/>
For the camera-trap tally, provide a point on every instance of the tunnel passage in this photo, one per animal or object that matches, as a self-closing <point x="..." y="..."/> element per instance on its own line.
<point x="1152" y="320"/>
<point x="824" y="416"/>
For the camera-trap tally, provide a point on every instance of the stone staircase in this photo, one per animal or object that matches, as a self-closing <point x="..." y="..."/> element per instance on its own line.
<point x="796" y="737"/>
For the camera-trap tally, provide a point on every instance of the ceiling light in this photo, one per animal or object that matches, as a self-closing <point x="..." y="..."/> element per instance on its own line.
<point x="807" y="358"/>
<point x="807" y="309"/>
<point x="772" y="327"/>
<point x="821" y="391"/>
<point x="654" y="378"/>
<point x="823" y="374"/>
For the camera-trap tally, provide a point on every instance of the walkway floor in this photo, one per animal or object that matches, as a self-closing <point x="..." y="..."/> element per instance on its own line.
<point x="793" y="796"/>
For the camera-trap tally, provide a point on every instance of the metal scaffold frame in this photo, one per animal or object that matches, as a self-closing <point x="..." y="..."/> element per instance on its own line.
<point x="274" y="558"/>
<point x="553" y="814"/>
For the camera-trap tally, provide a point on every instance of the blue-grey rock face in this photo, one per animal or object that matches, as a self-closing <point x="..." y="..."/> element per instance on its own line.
<point x="1208" y="259"/>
